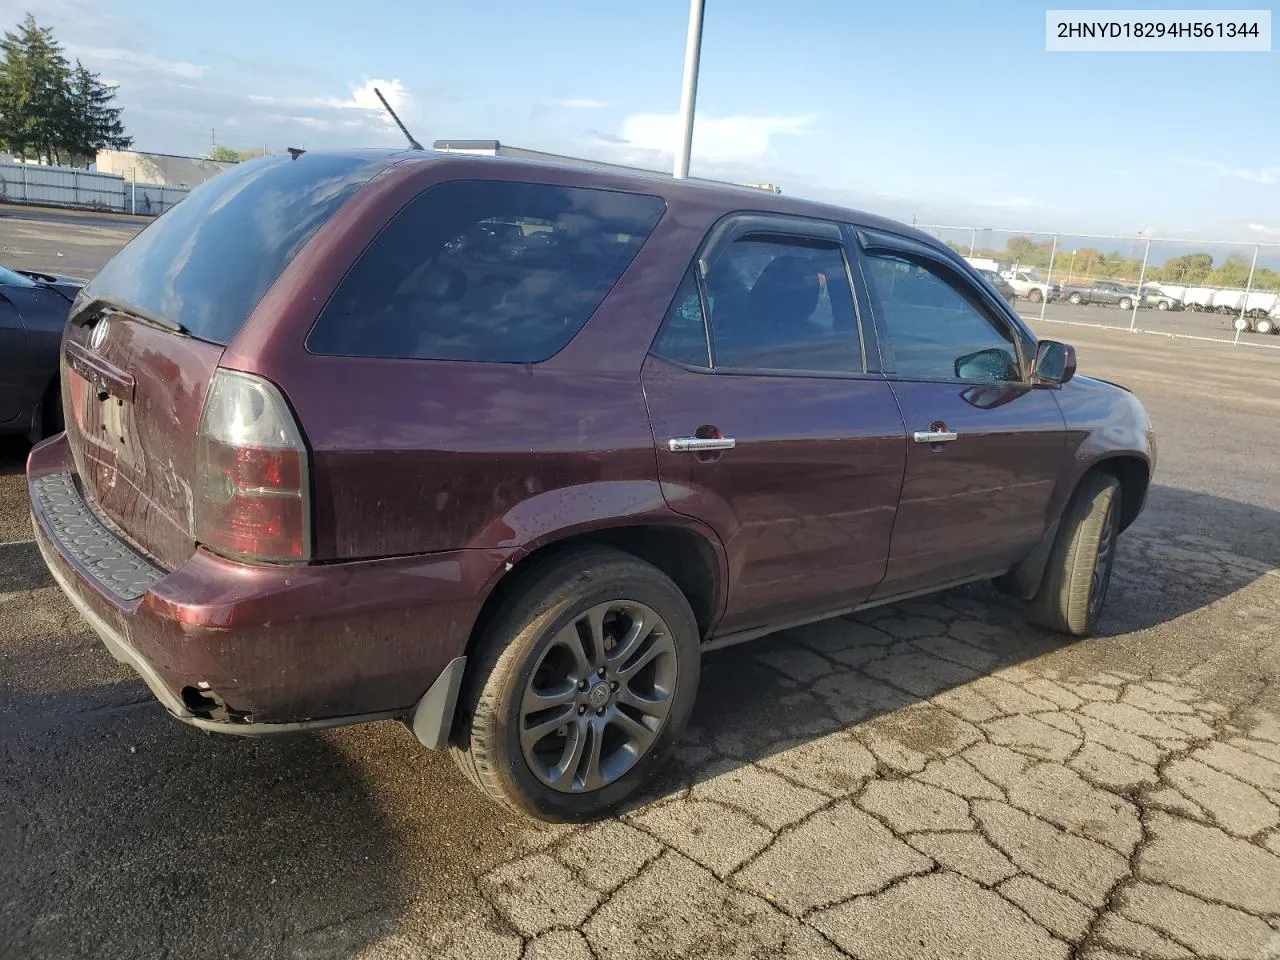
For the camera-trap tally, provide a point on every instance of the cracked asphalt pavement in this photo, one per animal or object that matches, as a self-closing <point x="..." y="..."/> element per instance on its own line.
<point x="929" y="779"/>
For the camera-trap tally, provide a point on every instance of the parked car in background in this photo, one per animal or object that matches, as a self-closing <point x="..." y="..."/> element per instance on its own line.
<point x="1028" y="286"/>
<point x="33" y="312"/>
<point x="1003" y="287"/>
<point x="332" y="465"/>
<point x="1106" y="292"/>
<point x="1156" y="299"/>
<point x="1258" y="321"/>
<point x="1271" y="322"/>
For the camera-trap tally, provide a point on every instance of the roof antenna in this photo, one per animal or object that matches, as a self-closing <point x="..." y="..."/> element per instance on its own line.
<point x="413" y="144"/>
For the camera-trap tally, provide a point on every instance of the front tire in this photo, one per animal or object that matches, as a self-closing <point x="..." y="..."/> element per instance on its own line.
<point x="1125" y="303"/>
<point x="1035" y="296"/>
<point x="1161" y="305"/>
<point x="1075" y="298"/>
<point x="1265" y="325"/>
<point x="1078" y="573"/>
<point x="579" y="689"/>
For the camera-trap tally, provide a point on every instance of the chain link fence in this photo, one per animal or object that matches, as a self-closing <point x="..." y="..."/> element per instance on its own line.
<point x="1202" y="289"/>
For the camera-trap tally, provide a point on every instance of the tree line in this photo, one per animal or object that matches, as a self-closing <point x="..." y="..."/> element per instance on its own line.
<point x="49" y="109"/>
<point x="1090" y="263"/>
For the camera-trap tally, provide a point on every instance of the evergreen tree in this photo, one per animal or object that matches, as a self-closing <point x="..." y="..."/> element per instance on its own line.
<point x="47" y="109"/>
<point x="92" y="123"/>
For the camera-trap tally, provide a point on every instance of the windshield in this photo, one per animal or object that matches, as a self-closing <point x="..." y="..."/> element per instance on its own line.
<point x="206" y="263"/>
<point x="11" y="279"/>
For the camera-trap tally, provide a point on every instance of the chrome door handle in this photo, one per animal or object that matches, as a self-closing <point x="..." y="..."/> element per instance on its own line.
<point x="934" y="436"/>
<point x="699" y="444"/>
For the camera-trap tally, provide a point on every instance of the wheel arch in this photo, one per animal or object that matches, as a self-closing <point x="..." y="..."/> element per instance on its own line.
<point x="1134" y="474"/>
<point x="690" y="557"/>
<point x="1131" y="471"/>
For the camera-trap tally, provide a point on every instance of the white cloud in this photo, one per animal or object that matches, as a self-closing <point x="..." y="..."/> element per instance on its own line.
<point x="312" y="123"/>
<point x="125" y="61"/>
<point x="1264" y="175"/>
<point x="577" y="104"/>
<point x="1265" y="230"/>
<point x="738" y="137"/>
<point x="362" y="97"/>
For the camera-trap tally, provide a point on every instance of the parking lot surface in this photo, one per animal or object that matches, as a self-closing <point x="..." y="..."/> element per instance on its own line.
<point x="929" y="779"/>
<point x="1174" y="323"/>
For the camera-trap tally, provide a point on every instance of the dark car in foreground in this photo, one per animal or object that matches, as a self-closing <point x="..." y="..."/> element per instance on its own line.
<point x="501" y="448"/>
<point x="33" y="311"/>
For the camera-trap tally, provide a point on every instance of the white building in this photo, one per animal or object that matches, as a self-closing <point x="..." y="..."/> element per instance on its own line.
<point x="160" y="168"/>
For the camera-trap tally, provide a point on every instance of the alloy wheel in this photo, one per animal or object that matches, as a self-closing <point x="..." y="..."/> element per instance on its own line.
<point x="598" y="697"/>
<point x="1102" y="564"/>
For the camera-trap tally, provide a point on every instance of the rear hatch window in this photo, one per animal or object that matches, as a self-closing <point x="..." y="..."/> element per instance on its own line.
<point x="486" y="270"/>
<point x="204" y="265"/>
<point x="207" y="262"/>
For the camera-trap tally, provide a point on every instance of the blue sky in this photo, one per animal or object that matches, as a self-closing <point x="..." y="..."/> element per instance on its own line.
<point x="950" y="112"/>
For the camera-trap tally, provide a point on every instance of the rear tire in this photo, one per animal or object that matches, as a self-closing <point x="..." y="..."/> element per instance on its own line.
<point x="1035" y="296"/>
<point x="1242" y="324"/>
<point x="1125" y="303"/>
<point x="527" y="657"/>
<point x="1078" y="573"/>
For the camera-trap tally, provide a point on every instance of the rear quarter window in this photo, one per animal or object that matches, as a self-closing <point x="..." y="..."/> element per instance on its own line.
<point x="486" y="270"/>
<point x="207" y="262"/>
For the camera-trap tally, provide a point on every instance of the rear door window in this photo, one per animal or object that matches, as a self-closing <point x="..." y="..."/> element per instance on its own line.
<point x="783" y="304"/>
<point x="207" y="262"/>
<point x="486" y="270"/>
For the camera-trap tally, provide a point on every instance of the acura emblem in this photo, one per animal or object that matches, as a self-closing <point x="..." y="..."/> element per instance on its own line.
<point x="98" y="334"/>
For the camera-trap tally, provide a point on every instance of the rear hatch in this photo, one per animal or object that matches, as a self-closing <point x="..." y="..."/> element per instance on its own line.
<point x="147" y="333"/>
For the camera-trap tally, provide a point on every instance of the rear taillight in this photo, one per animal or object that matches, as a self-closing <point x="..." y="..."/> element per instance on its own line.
<point x="253" y="493"/>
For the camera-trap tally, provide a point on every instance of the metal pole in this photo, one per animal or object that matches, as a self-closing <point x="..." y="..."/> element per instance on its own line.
<point x="1133" y="320"/>
<point x="689" y="88"/>
<point x="25" y="195"/>
<point x="1071" y="266"/>
<point x="973" y="243"/>
<point x="1244" y="304"/>
<point x="134" y="191"/>
<point x="1053" y="253"/>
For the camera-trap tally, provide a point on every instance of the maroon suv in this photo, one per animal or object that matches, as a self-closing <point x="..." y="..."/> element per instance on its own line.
<point x="500" y="448"/>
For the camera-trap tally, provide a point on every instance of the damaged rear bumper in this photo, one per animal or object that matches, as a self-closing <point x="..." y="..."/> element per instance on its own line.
<point x="245" y="649"/>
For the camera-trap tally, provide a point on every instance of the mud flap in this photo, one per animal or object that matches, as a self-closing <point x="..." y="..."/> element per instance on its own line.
<point x="1024" y="577"/>
<point x="431" y="719"/>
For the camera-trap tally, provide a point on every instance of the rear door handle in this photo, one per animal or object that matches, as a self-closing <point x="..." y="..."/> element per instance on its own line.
<point x="934" y="436"/>
<point x="699" y="444"/>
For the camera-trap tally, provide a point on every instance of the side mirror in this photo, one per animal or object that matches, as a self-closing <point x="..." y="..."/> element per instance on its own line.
<point x="993" y="365"/>
<point x="1055" y="362"/>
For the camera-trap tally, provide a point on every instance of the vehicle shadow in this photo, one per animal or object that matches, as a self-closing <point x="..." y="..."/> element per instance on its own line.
<point x="881" y="668"/>
<point x="124" y="833"/>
